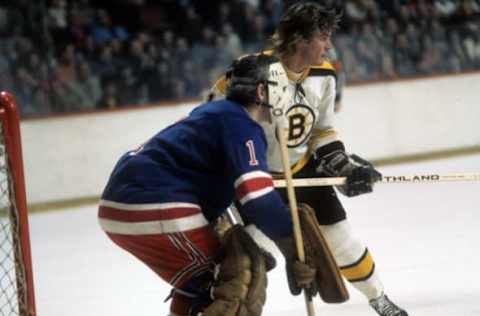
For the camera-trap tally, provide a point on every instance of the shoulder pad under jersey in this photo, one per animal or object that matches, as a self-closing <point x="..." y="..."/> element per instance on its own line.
<point x="325" y="69"/>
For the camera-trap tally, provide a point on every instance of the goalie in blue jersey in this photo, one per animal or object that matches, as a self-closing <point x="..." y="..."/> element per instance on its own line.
<point x="161" y="201"/>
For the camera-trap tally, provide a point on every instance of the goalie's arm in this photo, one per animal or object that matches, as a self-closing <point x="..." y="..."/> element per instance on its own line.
<point x="257" y="201"/>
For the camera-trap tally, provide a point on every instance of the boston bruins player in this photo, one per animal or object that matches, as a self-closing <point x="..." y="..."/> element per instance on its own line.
<point x="302" y="41"/>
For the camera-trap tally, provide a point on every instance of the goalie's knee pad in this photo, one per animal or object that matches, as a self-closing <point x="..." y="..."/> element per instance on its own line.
<point x="241" y="282"/>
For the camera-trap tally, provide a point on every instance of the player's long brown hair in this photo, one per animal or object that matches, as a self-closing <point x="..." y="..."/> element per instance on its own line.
<point x="300" y="22"/>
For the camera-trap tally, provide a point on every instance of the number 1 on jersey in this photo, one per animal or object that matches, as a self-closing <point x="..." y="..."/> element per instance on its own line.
<point x="251" y="151"/>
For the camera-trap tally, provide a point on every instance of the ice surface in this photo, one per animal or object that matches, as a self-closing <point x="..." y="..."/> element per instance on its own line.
<point x="424" y="239"/>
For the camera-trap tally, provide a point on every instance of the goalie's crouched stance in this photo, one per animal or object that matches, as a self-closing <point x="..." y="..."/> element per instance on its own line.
<point x="161" y="200"/>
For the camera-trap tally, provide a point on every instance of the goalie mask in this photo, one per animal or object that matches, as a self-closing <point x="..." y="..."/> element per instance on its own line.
<point x="248" y="72"/>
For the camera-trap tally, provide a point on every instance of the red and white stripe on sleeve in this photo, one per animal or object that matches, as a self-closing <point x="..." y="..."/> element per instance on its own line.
<point x="252" y="185"/>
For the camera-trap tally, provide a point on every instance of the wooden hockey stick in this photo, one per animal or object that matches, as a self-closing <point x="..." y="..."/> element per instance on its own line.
<point x="415" y="178"/>
<point x="297" y="233"/>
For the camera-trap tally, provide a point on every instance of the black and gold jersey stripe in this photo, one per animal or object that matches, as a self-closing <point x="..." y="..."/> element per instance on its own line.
<point x="360" y="270"/>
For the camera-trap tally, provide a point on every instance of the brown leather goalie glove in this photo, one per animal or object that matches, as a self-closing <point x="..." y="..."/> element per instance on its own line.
<point x="326" y="279"/>
<point x="241" y="282"/>
<point x="300" y="275"/>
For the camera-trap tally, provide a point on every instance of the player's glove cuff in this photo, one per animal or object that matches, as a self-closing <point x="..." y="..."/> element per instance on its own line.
<point x="360" y="174"/>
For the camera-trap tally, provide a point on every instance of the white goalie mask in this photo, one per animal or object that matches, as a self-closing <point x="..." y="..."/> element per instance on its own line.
<point x="248" y="72"/>
<point x="278" y="94"/>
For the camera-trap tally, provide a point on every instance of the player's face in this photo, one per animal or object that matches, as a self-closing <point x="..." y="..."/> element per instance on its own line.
<point x="315" y="51"/>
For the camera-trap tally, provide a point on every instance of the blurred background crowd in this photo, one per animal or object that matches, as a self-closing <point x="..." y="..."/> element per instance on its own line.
<point x="62" y="56"/>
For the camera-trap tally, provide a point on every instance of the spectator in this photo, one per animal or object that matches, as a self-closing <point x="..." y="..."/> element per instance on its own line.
<point x="414" y="41"/>
<point x="224" y="15"/>
<point x="66" y="94"/>
<point x="203" y="51"/>
<point x="87" y="49"/>
<point x="367" y="58"/>
<point x="40" y="103"/>
<point x="104" y="31"/>
<point x="168" y="42"/>
<point x="458" y="49"/>
<point x="6" y="80"/>
<point x="84" y="11"/>
<point x="445" y="8"/>
<point x="77" y="29"/>
<point x="368" y="50"/>
<point x="388" y="68"/>
<point x="57" y="14"/>
<point x="24" y="87"/>
<point x="425" y="10"/>
<point x="118" y="52"/>
<point x="403" y="57"/>
<point x="110" y="99"/>
<point x="106" y="67"/>
<point x="472" y="48"/>
<point x="4" y="21"/>
<point x="67" y="68"/>
<point x="128" y="85"/>
<point x="384" y="39"/>
<point x="143" y="95"/>
<point x="431" y="58"/>
<point x="89" y="87"/>
<point x="160" y="83"/>
<point x="272" y="11"/>
<point x="181" y="53"/>
<point x="233" y="44"/>
<point x="193" y="80"/>
<point x="193" y="25"/>
<point x="353" y="68"/>
<point x="356" y="12"/>
<point x="178" y="88"/>
<point x="254" y="35"/>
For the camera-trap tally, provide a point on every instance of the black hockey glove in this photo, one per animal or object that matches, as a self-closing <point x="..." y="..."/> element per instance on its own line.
<point x="360" y="174"/>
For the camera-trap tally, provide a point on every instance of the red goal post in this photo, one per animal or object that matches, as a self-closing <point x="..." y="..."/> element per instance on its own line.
<point x="16" y="276"/>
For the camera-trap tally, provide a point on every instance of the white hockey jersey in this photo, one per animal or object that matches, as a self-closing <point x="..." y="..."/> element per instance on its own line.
<point x="310" y="116"/>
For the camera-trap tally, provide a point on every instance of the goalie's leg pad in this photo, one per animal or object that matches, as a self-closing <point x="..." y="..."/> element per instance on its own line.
<point x="241" y="283"/>
<point x="329" y="281"/>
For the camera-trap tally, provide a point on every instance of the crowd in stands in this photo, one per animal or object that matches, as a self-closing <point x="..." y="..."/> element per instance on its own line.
<point x="76" y="55"/>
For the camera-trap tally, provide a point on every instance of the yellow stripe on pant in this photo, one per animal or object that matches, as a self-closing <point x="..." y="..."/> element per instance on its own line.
<point x="360" y="270"/>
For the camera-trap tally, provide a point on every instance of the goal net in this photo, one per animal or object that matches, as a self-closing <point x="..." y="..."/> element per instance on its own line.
<point x="16" y="281"/>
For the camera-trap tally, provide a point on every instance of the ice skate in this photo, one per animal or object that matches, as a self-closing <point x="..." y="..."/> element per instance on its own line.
<point x="384" y="307"/>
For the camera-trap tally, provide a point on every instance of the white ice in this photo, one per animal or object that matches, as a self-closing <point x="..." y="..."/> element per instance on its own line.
<point x="424" y="239"/>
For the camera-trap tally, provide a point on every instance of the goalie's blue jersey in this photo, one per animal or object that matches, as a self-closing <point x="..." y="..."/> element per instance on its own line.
<point x="206" y="161"/>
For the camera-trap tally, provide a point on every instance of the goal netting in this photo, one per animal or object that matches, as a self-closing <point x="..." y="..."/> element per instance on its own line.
<point x="16" y="281"/>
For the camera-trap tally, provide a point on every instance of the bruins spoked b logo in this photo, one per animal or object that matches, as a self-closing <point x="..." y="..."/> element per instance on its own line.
<point x="300" y="124"/>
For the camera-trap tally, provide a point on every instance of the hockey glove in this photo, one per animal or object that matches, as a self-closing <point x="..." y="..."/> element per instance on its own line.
<point x="360" y="174"/>
<point x="241" y="280"/>
<point x="299" y="275"/>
